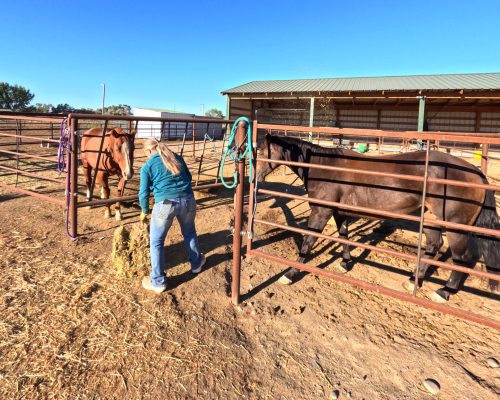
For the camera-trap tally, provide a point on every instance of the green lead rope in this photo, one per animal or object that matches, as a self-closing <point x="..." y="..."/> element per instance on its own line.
<point x="232" y="151"/>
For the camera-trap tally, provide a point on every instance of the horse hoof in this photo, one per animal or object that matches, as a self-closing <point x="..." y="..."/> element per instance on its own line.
<point x="118" y="216"/>
<point x="284" y="280"/>
<point x="437" y="298"/>
<point x="107" y="214"/>
<point x="409" y="286"/>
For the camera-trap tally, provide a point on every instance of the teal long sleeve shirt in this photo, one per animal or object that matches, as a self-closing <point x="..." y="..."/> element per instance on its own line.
<point x="156" y="178"/>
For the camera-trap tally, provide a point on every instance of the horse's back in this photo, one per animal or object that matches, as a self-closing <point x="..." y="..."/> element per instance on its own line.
<point x="413" y="163"/>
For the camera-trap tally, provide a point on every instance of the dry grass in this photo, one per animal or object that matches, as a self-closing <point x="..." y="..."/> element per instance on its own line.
<point x="70" y="330"/>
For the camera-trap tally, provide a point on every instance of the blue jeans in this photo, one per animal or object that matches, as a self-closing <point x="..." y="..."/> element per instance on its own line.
<point x="184" y="208"/>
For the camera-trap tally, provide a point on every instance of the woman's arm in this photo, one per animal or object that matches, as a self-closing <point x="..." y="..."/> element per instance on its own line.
<point x="145" y="190"/>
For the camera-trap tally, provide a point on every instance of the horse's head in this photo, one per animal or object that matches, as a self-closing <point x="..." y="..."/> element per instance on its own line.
<point x="121" y="147"/>
<point x="268" y="148"/>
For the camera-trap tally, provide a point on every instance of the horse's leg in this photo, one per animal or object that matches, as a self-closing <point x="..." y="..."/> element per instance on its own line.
<point x="118" y="211"/>
<point x="464" y="254"/>
<point x="317" y="221"/>
<point x="434" y="241"/>
<point x="342" y="227"/>
<point x="105" y="195"/>
<point x="87" y="173"/>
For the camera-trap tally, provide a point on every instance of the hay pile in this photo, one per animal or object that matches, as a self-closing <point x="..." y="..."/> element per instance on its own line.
<point x="130" y="254"/>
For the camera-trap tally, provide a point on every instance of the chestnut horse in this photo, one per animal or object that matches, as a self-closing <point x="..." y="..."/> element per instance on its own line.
<point x="463" y="205"/>
<point x="117" y="158"/>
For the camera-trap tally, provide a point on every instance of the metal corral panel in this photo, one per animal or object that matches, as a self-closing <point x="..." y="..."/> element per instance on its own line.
<point x="174" y="130"/>
<point x="486" y="81"/>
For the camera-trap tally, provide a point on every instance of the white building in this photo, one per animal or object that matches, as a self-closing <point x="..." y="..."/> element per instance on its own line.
<point x="174" y="130"/>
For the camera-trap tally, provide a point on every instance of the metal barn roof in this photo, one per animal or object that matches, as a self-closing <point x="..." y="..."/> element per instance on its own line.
<point x="483" y="81"/>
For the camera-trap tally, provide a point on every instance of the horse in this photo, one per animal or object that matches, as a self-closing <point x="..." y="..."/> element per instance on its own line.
<point x="117" y="158"/>
<point x="463" y="205"/>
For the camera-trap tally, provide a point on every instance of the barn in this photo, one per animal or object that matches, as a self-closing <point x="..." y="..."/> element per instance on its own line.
<point x="447" y="102"/>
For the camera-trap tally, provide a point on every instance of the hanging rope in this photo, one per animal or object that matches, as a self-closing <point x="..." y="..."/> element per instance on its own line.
<point x="232" y="152"/>
<point x="64" y="144"/>
<point x="63" y="150"/>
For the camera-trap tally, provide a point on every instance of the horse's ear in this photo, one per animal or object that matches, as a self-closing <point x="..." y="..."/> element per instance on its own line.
<point x="114" y="133"/>
<point x="133" y="133"/>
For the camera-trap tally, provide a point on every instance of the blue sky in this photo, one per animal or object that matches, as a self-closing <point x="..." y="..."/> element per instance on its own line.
<point x="182" y="54"/>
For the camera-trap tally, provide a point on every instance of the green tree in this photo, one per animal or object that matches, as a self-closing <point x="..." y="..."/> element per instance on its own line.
<point x="63" y="108"/>
<point x="214" y="113"/>
<point x="84" y="111"/>
<point x="14" y="97"/>
<point x="43" y="108"/>
<point x="120" y="109"/>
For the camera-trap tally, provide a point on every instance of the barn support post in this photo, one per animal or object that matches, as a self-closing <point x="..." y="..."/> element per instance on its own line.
<point x="228" y="107"/>
<point x="73" y="192"/>
<point x="238" y="213"/>
<point x="311" y="118"/>
<point x="421" y="117"/>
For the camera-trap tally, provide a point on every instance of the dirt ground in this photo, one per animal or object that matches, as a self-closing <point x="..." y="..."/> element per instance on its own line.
<point x="71" y="329"/>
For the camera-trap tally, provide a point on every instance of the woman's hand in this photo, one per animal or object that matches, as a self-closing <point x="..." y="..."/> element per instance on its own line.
<point x="144" y="217"/>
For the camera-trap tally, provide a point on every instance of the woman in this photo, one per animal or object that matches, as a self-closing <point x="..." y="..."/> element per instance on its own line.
<point x="167" y="176"/>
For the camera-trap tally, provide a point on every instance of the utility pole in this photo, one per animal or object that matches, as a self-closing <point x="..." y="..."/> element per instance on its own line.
<point x="203" y="109"/>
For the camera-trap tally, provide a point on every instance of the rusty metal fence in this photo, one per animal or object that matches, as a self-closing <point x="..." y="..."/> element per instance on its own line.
<point x="19" y="132"/>
<point x="22" y="133"/>
<point x="431" y="138"/>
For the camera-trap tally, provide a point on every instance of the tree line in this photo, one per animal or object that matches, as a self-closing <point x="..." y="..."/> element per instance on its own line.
<point x="18" y="98"/>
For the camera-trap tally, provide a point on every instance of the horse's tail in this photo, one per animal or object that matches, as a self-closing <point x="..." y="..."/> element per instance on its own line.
<point x="489" y="246"/>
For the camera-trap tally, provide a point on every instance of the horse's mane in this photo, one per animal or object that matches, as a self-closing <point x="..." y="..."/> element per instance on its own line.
<point x="304" y="145"/>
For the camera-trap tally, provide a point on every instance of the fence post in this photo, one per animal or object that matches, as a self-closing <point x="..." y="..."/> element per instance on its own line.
<point x="73" y="192"/>
<point x="422" y="216"/>
<point x="252" y="193"/>
<point x="238" y="214"/>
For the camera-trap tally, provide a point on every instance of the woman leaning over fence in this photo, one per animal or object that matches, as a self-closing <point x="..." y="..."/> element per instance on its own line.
<point x="167" y="176"/>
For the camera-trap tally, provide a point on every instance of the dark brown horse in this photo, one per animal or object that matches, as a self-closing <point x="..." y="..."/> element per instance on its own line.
<point x="117" y="158"/>
<point x="463" y="205"/>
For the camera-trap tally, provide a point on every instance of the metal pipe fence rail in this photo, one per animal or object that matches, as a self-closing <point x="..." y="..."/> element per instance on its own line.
<point x="378" y="214"/>
<point x="406" y="136"/>
<point x="21" y="126"/>
<point x="27" y="129"/>
<point x="76" y="121"/>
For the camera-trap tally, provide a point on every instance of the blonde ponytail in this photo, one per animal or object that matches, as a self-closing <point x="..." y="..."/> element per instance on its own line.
<point x="167" y="155"/>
